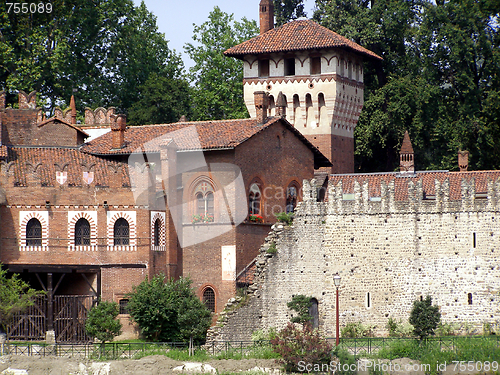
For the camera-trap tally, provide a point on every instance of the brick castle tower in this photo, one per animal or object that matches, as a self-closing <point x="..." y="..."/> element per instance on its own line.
<point x="318" y="72"/>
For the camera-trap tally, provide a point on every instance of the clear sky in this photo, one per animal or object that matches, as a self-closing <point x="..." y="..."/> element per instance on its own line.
<point x="175" y="18"/>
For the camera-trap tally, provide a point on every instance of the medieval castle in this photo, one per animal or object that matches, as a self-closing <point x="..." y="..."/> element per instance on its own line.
<point x="87" y="220"/>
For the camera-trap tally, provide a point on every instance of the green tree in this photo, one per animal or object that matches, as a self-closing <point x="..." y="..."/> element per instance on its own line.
<point x="218" y="80"/>
<point x="300" y="304"/>
<point x="102" y="49"/>
<point x="168" y="311"/>
<point x="424" y="317"/>
<point x="15" y="296"/>
<point x="288" y="10"/>
<point x="102" y="322"/>
<point x="161" y="100"/>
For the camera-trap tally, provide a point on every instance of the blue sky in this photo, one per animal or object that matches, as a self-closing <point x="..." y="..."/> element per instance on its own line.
<point x="175" y="18"/>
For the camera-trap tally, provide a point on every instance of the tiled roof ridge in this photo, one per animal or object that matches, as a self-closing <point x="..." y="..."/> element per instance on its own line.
<point x="260" y="43"/>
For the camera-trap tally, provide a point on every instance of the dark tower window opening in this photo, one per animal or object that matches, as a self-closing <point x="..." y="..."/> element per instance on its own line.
<point x="264" y="68"/>
<point x="469" y="298"/>
<point x="290" y="66"/>
<point x="315" y="65"/>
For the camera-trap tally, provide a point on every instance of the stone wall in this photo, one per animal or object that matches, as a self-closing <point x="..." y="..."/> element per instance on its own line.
<point x="389" y="252"/>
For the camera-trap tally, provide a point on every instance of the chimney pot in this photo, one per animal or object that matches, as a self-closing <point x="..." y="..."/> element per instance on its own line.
<point x="266" y="15"/>
<point x="118" y="129"/>
<point x="261" y="102"/>
<point x="463" y="160"/>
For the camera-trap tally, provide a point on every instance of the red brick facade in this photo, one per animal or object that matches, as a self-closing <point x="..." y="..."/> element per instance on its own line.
<point x="65" y="207"/>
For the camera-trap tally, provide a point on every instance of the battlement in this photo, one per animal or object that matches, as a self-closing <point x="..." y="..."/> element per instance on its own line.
<point x="422" y="192"/>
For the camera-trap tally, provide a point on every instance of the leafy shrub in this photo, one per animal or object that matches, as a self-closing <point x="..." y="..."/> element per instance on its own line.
<point x="283" y="217"/>
<point x="447" y="329"/>
<point x="102" y="323"/>
<point x="424" y="317"/>
<point x="357" y="329"/>
<point x="261" y="335"/>
<point x="295" y="344"/>
<point x="301" y="305"/>
<point x="398" y="328"/>
<point x="344" y="358"/>
<point x="168" y="311"/>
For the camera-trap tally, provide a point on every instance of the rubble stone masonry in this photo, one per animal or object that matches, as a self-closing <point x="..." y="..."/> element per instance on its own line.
<point x="389" y="252"/>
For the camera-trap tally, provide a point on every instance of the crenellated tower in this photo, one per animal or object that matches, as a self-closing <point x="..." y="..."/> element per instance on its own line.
<point x="320" y="75"/>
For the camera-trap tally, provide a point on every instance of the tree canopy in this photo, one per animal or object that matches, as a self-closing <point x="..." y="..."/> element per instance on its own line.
<point x="218" y="80"/>
<point x="439" y="79"/>
<point x="101" y="50"/>
<point x="168" y="310"/>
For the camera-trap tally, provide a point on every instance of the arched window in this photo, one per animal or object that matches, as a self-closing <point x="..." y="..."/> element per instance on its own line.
<point x="156" y="233"/>
<point x="272" y="106"/>
<point x="291" y="198"/>
<point x="314" y="312"/>
<point x="209" y="299"/>
<point x="34" y="233"/>
<point x="121" y="232"/>
<point x="82" y="232"/>
<point x="254" y="200"/>
<point x="204" y="194"/>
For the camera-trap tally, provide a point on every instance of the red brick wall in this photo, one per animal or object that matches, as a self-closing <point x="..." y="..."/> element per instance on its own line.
<point x="19" y="127"/>
<point x="276" y="164"/>
<point x="339" y="150"/>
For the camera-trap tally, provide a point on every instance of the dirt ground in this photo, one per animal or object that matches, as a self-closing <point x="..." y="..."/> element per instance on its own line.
<point x="152" y="365"/>
<point x="162" y="365"/>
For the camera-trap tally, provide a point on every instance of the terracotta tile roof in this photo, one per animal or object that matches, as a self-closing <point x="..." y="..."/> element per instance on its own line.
<point x="401" y="182"/>
<point x="297" y="35"/>
<point x="406" y="147"/>
<point x="207" y="135"/>
<point x="22" y="161"/>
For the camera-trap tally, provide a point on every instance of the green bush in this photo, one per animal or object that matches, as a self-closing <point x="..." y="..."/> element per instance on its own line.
<point x="102" y="322"/>
<point x="447" y="329"/>
<point x="169" y="311"/>
<point x="295" y="345"/>
<point x="356" y="330"/>
<point x="398" y="328"/>
<point x="424" y="317"/>
<point x="272" y="248"/>
<point x="344" y="358"/>
<point x="283" y="217"/>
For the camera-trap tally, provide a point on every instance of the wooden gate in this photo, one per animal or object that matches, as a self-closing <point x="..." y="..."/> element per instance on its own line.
<point x="70" y="314"/>
<point x="30" y="324"/>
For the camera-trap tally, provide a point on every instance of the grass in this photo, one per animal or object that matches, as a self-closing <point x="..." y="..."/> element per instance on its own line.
<point x="432" y="352"/>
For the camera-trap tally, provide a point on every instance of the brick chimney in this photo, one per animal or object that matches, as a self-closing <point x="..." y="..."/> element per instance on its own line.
<point x="266" y="13"/>
<point x="406" y="155"/>
<point x="463" y="160"/>
<point x="261" y="100"/>
<point x="281" y="105"/>
<point x="73" y="109"/>
<point x="118" y="132"/>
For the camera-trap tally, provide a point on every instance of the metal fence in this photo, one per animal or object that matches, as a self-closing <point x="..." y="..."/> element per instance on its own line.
<point x="90" y="351"/>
